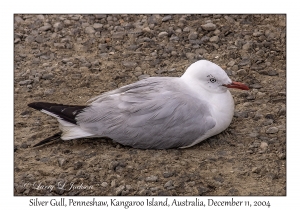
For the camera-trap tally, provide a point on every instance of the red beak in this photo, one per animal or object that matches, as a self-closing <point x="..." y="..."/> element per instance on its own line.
<point x="237" y="85"/>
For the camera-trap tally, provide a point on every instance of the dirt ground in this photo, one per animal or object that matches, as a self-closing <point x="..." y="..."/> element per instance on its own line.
<point x="71" y="58"/>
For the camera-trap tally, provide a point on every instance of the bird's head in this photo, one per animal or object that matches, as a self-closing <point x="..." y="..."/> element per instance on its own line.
<point x="211" y="77"/>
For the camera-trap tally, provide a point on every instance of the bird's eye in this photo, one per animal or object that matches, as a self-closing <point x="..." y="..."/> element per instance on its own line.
<point x="213" y="80"/>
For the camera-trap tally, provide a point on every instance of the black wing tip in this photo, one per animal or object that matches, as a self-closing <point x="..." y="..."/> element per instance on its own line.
<point x="35" y="105"/>
<point x="65" y="112"/>
<point x="41" y="105"/>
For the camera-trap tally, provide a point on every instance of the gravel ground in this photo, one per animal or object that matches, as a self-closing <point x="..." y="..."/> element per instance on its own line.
<point x="71" y="58"/>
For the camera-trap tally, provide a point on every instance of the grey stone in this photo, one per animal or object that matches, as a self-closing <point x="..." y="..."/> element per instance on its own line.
<point x="100" y="16"/>
<point x="61" y="162"/>
<point x="253" y="134"/>
<point x="166" y="18"/>
<point x="104" y="184"/>
<point x="128" y="187"/>
<point x="103" y="55"/>
<point x="263" y="145"/>
<point x="39" y="39"/>
<point x="144" y="192"/>
<point x="168" y="174"/>
<point x="162" y="34"/>
<point x="272" y="73"/>
<point x="209" y="26"/>
<point x="144" y="76"/>
<point x="214" y="39"/>
<point x="59" y="45"/>
<point x="241" y="114"/>
<point x="97" y="26"/>
<point x="78" y="165"/>
<point x="66" y="60"/>
<point x="258" y="33"/>
<point x="49" y="91"/>
<point x="202" y="190"/>
<point x="260" y="95"/>
<point x="190" y="56"/>
<point x="129" y="64"/>
<point x="118" y="35"/>
<point x="90" y="30"/>
<point x="193" y="36"/>
<point x="17" y="40"/>
<point x="168" y="184"/>
<point x="47" y="76"/>
<point x="230" y="63"/>
<point x="18" y="19"/>
<point x="44" y="159"/>
<point x="244" y="62"/>
<point x="229" y="19"/>
<point x="272" y="130"/>
<point x="268" y="122"/>
<point x="242" y="72"/>
<point x="228" y="72"/>
<point x="174" y="38"/>
<point x="46" y="27"/>
<point x="120" y="189"/>
<point x="151" y="178"/>
<point x="160" y="71"/>
<point x="67" y="22"/>
<point x="282" y="111"/>
<point x="281" y="156"/>
<point x="35" y="60"/>
<point x="247" y="46"/>
<point x="138" y="71"/>
<point x="152" y="20"/>
<point x="125" y="192"/>
<point x="25" y="82"/>
<point x="58" y="26"/>
<point x="204" y="39"/>
<point x="30" y="38"/>
<point x="186" y="29"/>
<point x="256" y="86"/>
<point x="269" y="116"/>
<point x="255" y="170"/>
<point x="113" y="165"/>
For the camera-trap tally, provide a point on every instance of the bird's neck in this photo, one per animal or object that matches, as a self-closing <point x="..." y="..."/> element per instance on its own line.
<point x="221" y="104"/>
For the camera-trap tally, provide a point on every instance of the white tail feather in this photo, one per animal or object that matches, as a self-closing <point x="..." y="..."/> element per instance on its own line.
<point x="71" y="131"/>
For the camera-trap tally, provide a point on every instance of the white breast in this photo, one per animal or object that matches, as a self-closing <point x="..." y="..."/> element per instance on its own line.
<point x="222" y="110"/>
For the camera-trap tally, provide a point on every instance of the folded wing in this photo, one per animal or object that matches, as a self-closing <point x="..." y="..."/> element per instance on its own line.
<point x="155" y="113"/>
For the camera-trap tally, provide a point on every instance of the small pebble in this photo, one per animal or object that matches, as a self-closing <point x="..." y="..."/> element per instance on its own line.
<point x="166" y="18"/>
<point x="90" y="30"/>
<point x="231" y="63"/>
<point x="163" y="34"/>
<point x="193" y="36"/>
<point x="168" y="174"/>
<point x="104" y="184"/>
<point x="263" y="145"/>
<point x="129" y="64"/>
<point x="120" y="189"/>
<point x="25" y="82"/>
<point x="168" y="184"/>
<point x="151" y="178"/>
<point x="242" y="72"/>
<point x="61" y="161"/>
<point x="272" y="130"/>
<point x="144" y="76"/>
<point x="214" y="39"/>
<point x="58" y="26"/>
<point x="209" y="26"/>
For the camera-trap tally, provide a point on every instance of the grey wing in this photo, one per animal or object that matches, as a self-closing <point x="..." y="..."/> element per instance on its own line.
<point x="154" y="113"/>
